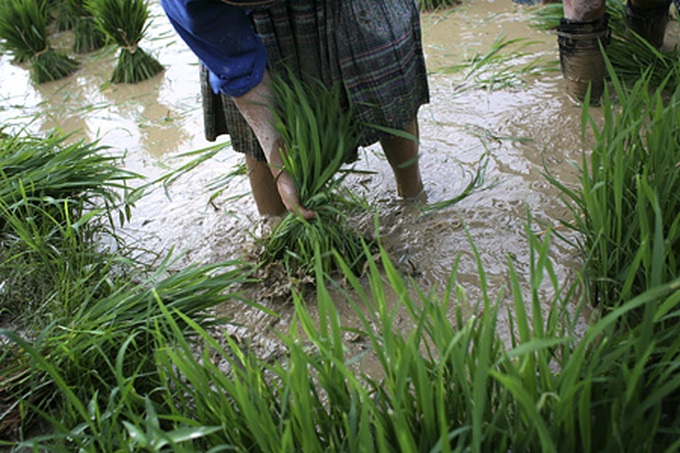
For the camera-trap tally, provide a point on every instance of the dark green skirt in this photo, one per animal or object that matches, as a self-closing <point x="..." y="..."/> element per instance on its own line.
<point x="371" y="47"/>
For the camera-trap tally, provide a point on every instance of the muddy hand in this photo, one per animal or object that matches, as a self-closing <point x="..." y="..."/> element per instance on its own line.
<point x="289" y="196"/>
<point x="256" y="106"/>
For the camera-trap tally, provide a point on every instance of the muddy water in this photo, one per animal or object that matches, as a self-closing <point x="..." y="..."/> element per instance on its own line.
<point x="521" y="128"/>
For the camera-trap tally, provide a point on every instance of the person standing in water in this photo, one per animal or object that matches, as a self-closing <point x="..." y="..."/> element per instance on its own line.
<point x="372" y="48"/>
<point x="584" y="28"/>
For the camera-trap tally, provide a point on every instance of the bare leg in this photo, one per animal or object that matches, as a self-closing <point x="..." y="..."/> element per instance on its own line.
<point x="583" y="10"/>
<point x="402" y="154"/>
<point x="264" y="190"/>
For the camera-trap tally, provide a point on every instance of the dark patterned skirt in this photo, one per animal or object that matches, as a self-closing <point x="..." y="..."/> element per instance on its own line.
<point x="373" y="48"/>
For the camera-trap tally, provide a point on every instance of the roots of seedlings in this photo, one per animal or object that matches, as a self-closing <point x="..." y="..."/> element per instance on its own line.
<point x="52" y="65"/>
<point x="294" y="241"/>
<point x="135" y="66"/>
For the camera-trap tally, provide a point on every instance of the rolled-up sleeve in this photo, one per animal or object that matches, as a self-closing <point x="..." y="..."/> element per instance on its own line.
<point x="223" y="39"/>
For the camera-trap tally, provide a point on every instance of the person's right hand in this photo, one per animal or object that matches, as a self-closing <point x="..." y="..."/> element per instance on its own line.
<point x="290" y="197"/>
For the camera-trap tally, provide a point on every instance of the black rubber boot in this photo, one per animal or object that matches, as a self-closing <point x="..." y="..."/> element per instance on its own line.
<point x="581" y="58"/>
<point x="648" y="23"/>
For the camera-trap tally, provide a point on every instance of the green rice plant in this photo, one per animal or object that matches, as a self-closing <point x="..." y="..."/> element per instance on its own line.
<point x="56" y="201"/>
<point x="507" y="64"/>
<point x="631" y="56"/>
<point x="445" y="382"/>
<point x="71" y="288"/>
<point x="613" y="388"/>
<point x="627" y="208"/>
<point x="106" y="344"/>
<point x="46" y="263"/>
<point x="432" y="5"/>
<point x="87" y="36"/>
<point x="49" y="170"/>
<point x="125" y="23"/>
<point x="23" y="27"/>
<point x="319" y="135"/>
<point x="65" y="17"/>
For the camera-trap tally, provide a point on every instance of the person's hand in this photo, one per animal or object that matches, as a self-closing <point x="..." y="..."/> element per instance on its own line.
<point x="289" y="196"/>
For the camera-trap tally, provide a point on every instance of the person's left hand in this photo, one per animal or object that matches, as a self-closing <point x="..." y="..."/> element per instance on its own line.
<point x="290" y="197"/>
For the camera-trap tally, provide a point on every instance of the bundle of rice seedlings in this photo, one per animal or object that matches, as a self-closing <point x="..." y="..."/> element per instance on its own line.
<point x="23" y="27"/>
<point x="319" y="136"/>
<point x="49" y="172"/>
<point x="87" y="36"/>
<point x="125" y="22"/>
<point x="65" y="18"/>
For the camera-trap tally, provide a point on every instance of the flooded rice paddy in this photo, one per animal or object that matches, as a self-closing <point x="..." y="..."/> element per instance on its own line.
<point x="522" y="124"/>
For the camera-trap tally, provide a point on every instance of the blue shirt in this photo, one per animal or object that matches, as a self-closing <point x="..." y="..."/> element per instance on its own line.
<point x="223" y="39"/>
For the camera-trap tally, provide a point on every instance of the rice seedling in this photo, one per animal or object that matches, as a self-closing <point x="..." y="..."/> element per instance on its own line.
<point x="74" y="301"/>
<point x="23" y="27"/>
<point x="56" y="202"/>
<point x="49" y="171"/>
<point x="105" y="343"/>
<point x="319" y="137"/>
<point x="65" y="17"/>
<point x="508" y="63"/>
<point x="87" y="36"/>
<point x="125" y="23"/>
<point x="627" y="209"/>
<point x="611" y="389"/>
<point x="441" y="385"/>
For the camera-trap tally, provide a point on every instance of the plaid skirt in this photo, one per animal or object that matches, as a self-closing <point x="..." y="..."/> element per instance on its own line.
<point x="373" y="48"/>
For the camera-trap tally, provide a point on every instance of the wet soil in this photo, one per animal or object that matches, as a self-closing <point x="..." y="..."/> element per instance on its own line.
<point x="524" y="125"/>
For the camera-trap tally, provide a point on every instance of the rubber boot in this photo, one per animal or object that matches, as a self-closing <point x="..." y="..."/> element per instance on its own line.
<point x="650" y="24"/>
<point x="581" y="59"/>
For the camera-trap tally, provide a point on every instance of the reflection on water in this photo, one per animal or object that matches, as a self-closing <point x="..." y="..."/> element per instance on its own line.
<point x="521" y="128"/>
